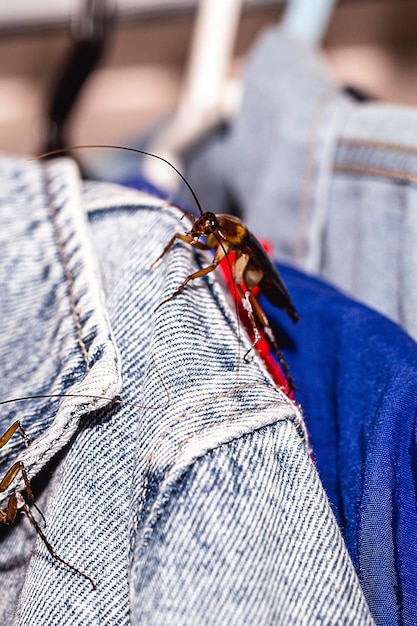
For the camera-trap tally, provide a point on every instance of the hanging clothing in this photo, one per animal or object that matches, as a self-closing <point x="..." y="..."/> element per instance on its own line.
<point x="329" y="180"/>
<point x="178" y="476"/>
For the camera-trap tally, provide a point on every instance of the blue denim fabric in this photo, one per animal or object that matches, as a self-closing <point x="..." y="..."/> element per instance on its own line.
<point x="356" y="373"/>
<point x="329" y="180"/>
<point x="197" y="503"/>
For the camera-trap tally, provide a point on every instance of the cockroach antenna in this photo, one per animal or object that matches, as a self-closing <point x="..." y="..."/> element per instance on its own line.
<point x="45" y="155"/>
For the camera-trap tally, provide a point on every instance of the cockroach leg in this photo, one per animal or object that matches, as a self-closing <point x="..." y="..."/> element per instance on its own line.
<point x="186" y="238"/>
<point x="264" y="323"/>
<point x="22" y="505"/>
<point x="16" y="426"/>
<point x="166" y="249"/>
<point x="247" y="305"/>
<point x="18" y="503"/>
<point x="7" y="481"/>
<point x="202" y="272"/>
<point x="14" y="470"/>
<point x="257" y="318"/>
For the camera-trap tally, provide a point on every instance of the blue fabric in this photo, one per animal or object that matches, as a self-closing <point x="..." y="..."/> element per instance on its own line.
<point x="137" y="181"/>
<point x="356" y="377"/>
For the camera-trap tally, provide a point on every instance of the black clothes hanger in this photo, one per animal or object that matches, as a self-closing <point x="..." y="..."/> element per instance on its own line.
<point x="90" y="33"/>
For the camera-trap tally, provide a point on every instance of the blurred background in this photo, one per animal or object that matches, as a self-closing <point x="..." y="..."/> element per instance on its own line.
<point x="135" y="58"/>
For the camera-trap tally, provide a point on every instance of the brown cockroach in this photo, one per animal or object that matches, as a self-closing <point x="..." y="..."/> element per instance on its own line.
<point x="251" y="268"/>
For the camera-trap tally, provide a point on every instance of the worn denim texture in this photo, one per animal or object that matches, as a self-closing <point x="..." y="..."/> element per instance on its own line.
<point x="331" y="181"/>
<point x="198" y="503"/>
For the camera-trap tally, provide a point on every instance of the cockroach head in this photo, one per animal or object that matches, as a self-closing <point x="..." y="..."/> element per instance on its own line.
<point x="205" y="225"/>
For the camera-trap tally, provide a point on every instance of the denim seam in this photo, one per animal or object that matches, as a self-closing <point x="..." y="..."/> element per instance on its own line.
<point x="307" y="182"/>
<point x="377" y="145"/>
<point x="68" y="274"/>
<point x="135" y="544"/>
<point x="331" y="120"/>
<point x="114" y="196"/>
<point x="101" y="382"/>
<point x="294" y="419"/>
<point x="403" y="175"/>
<point x="342" y="572"/>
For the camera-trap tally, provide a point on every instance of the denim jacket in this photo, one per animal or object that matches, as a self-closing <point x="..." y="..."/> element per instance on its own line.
<point x="176" y="475"/>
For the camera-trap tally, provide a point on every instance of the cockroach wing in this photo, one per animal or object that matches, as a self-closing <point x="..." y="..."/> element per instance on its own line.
<point x="271" y="285"/>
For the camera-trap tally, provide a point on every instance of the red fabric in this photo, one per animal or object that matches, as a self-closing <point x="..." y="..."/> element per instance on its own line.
<point x="263" y="346"/>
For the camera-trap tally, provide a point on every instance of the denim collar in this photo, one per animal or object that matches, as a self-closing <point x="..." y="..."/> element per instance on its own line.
<point x="57" y="335"/>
